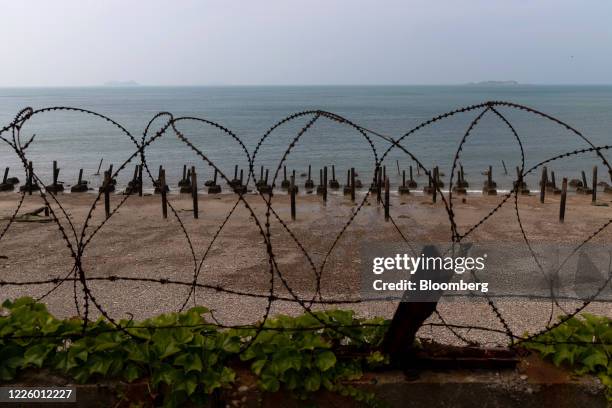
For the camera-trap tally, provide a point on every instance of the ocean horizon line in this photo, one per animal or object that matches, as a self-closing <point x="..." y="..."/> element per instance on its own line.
<point x="462" y="85"/>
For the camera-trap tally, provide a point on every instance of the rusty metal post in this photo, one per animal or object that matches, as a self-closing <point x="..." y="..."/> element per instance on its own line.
<point x="553" y="182"/>
<point x="379" y="186"/>
<point x="325" y="184"/>
<point x="594" y="195"/>
<point x="106" y="185"/>
<point x="352" y="184"/>
<point x="55" y="172"/>
<point x="543" y="184"/>
<point x="435" y="184"/>
<point x="194" y="192"/>
<point x="162" y="190"/>
<point x="140" y="180"/>
<point x="309" y="184"/>
<point x="30" y="180"/>
<point x="292" y="192"/>
<point x="563" y="199"/>
<point x="387" y="199"/>
<point x="320" y="187"/>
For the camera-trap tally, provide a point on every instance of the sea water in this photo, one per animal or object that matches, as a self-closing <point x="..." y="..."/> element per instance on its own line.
<point x="77" y="140"/>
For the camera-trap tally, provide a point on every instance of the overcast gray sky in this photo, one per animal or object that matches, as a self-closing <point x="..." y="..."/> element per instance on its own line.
<point x="184" y="42"/>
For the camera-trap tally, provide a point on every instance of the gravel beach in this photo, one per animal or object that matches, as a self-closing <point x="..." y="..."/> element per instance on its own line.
<point x="137" y="242"/>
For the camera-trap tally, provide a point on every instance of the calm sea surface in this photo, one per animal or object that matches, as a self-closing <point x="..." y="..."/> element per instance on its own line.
<point x="79" y="141"/>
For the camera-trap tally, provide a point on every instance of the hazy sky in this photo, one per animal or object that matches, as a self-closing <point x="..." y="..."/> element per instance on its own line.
<point x="181" y="42"/>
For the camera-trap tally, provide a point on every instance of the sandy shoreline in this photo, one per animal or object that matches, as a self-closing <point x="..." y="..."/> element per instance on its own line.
<point x="137" y="242"/>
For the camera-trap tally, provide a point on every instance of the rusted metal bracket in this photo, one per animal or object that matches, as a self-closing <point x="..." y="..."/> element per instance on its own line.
<point x="414" y="309"/>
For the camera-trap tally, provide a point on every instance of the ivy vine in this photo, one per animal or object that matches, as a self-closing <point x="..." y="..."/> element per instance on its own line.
<point x="582" y="343"/>
<point x="190" y="358"/>
<point x="187" y="356"/>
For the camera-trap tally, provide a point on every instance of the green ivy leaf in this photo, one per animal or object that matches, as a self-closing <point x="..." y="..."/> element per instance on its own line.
<point x="313" y="341"/>
<point x="187" y="383"/>
<point x="227" y="375"/>
<point x="327" y="383"/>
<point x="563" y="353"/>
<point x="257" y="366"/>
<point x="140" y="333"/>
<point x="8" y="366"/>
<point x="285" y="360"/>
<point x="291" y="379"/>
<point x="594" y="359"/>
<point x="80" y="374"/>
<point x="7" y="373"/>
<point x="193" y="316"/>
<point x="35" y="356"/>
<point x="51" y="326"/>
<point x="211" y="380"/>
<point x="312" y="382"/>
<point x="164" y="344"/>
<point x="190" y="362"/>
<point x="375" y="358"/>
<point x="325" y="360"/>
<point x="212" y="359"/>
<point x="166" y="374"/>
<point x="138" y="352"/>
<point x="231" y="344"/>
<point x="269" y="383"/>
<point x="250" y="353"/>
<point x="182" y="335"/>
<point x="131" y="372"/>
<point x="99" y="365"/>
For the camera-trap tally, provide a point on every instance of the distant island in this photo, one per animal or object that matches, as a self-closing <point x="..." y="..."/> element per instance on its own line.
<point x="494" y="83"/>
<point x="121" y="83"/>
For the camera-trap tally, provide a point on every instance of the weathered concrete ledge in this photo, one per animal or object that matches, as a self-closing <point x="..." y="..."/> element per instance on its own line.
<point x="533" y="384"/>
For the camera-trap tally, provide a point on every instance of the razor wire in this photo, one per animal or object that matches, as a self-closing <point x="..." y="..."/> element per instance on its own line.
<point x="78" y="242"/>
